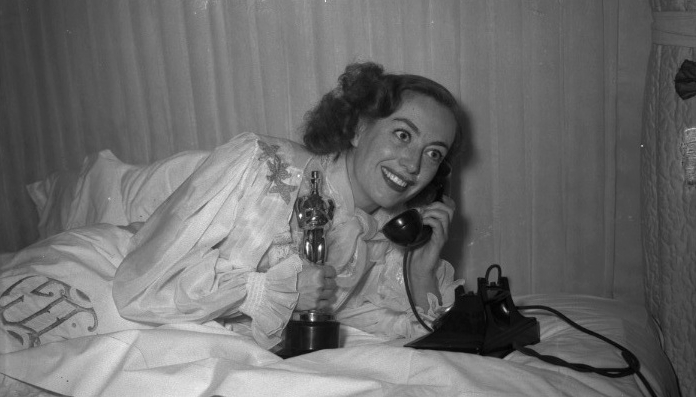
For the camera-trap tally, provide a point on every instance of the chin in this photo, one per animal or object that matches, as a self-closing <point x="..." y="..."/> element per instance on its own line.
<point x="391" y="199"/>
<point x="393" y="204"/>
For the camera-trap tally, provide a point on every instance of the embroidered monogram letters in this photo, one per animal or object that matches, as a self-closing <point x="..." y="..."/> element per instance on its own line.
<point x="35" y="305"/>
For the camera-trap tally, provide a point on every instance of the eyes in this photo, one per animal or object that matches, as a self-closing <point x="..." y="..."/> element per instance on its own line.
<point x="403" y="135"/>
<point x="433" y="153"/>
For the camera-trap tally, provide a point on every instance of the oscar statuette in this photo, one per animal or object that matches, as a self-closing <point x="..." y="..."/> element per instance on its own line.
<point x="312" y="330"/>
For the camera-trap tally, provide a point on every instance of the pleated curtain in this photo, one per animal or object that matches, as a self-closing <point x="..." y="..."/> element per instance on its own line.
<point x="550" y="187"/>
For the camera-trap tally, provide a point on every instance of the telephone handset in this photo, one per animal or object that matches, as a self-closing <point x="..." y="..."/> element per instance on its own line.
<point x="407" y="229"/>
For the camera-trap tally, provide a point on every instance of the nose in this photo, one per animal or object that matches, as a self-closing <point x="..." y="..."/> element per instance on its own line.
<point x="411" y="161"/>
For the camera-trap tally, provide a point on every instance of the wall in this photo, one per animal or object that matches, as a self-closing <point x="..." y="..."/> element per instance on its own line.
<point x="553" y="90"/>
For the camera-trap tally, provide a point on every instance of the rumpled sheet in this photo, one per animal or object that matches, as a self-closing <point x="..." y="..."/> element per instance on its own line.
<point x="206" y="360"/>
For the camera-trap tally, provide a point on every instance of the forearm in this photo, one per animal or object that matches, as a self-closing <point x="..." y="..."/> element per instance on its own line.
<point x="423" y="281"/>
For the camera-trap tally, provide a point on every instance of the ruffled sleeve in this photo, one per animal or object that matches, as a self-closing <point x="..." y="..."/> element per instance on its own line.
<point x="270" y="300"/>
<point x="381" y="305"/>
<point x="197" y="258"/>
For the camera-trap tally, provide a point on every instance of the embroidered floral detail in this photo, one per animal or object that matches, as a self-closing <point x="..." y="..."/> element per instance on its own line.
<point x="278" y="171"/>
<point x="269" y="151"/>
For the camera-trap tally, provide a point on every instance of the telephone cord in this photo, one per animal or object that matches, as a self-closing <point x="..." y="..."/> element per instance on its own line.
<point x="408" y="293"/>
<point x="631" y="360"/>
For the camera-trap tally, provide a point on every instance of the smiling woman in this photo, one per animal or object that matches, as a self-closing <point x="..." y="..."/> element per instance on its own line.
<point x="394" y="131"/>
<point x="376" y="140"/>
<point x="395" y="157"/>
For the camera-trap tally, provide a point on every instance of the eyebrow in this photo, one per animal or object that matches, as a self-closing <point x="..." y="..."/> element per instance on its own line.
<point x="415" y="128"/>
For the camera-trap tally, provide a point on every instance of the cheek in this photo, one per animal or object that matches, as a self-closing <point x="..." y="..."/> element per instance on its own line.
<point x="427" y="176"/>
<point x="371" y="158"/>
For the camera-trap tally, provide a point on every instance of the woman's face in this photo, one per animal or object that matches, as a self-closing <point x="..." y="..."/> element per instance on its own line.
<point x="394" y="158"/>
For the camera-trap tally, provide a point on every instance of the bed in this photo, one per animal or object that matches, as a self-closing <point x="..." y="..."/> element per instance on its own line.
<point x="67" y="338"/>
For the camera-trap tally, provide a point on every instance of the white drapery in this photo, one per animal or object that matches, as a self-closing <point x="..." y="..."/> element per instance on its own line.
<point x="550" y="193"/>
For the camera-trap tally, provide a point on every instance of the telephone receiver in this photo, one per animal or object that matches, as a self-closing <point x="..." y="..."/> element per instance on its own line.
<point x="407" y="229"/>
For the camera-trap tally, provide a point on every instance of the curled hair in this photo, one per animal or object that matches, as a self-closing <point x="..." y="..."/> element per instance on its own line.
<point x="365" y="91"/>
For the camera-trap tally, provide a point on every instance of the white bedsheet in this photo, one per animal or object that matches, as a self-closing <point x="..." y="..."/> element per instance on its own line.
<point x="191" y="360"/>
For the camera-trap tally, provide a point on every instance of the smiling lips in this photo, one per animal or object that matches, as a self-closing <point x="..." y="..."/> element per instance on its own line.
<point x="394" y="181"/>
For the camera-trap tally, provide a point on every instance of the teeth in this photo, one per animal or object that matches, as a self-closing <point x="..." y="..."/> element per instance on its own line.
<point x="395" y="178"/>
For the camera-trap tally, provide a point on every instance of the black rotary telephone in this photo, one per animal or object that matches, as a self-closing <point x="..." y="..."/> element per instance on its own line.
<point x="485" y="323"/>
<point x="407" y="229"/>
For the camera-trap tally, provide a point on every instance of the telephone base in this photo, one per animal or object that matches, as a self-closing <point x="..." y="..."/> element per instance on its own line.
<point x="485" y="323"/>
<point x="448" y="341"/>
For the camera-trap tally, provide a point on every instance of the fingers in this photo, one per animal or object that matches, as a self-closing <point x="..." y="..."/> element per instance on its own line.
<point x="330" y="285"/>
<point x="329" y="271"/>
<point x="316" y="286"/>
<point x="449" y="202"/>
<point x="323" y="305"/>
<point x="327" y="294"/>
<point x="439" y="215"/>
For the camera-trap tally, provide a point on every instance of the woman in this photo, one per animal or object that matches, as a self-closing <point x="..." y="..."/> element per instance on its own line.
<point x="224" y="245"/>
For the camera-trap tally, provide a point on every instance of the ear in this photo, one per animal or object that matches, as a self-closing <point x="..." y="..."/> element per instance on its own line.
<point x="359" y="131"/>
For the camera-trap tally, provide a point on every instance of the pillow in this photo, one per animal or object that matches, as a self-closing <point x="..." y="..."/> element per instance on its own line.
<point x="106" y="190"/>
<point x="53" y="197"/>
<point x="143" y="189"/>
<point x="60" y="288"/>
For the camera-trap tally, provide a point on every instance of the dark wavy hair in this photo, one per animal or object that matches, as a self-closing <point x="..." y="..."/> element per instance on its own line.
<point x="365" y="91"/>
